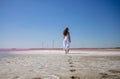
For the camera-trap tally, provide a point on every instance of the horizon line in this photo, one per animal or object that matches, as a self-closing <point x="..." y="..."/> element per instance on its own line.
<point x="24" y="49"/>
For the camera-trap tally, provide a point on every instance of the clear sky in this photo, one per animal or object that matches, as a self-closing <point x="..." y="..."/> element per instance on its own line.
<point x="37" y="23"/>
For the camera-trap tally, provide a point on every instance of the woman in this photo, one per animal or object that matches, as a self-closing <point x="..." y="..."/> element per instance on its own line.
<point x="66" y="40"/>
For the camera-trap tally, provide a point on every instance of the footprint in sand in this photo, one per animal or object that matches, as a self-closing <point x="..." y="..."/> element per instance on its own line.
<point x="71" y="66"/>
<point x="16" y="77"/>
<point x="37" y="78"/>
<point x="70" y="62"/>
<point x="107" y="76"/>
<point x="114" y="71"/>
<point x="104" y="75"/>
<point x="75" y="77"/>
<point x="72" y="70"/>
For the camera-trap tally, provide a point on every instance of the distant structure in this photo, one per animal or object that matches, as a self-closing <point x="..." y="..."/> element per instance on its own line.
<point x="42" y="44"/>
<point x="46" y="45"/>
<point x="53" y="44"/>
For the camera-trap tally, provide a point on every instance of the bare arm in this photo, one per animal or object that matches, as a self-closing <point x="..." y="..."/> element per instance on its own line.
<point x="69" y="36"/>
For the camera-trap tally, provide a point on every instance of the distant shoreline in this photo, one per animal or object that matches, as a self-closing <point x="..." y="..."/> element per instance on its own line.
<point x="74" y="49"/>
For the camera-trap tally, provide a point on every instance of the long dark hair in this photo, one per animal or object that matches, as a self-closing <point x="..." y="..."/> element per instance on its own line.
<point x="66" y="31"/>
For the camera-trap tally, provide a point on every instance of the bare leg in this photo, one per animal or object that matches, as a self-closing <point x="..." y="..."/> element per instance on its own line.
<point x="65" y="52"/>
<point x="68" y="51"/>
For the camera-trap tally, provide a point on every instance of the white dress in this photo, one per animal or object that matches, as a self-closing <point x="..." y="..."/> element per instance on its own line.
<point x="66" y="43"/>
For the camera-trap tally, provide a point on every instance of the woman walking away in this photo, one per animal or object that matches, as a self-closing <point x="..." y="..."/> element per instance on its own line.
<point x="66" y="40"/>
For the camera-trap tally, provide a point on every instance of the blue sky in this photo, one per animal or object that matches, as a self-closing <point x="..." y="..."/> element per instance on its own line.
<point x="31" y="23"/>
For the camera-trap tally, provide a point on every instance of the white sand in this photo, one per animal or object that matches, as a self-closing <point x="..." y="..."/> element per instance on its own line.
<point x="57" y="65"/>
<point x="61" y="52"/>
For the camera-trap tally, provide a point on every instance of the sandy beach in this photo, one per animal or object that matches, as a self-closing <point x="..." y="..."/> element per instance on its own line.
<point x="56" y="65"/>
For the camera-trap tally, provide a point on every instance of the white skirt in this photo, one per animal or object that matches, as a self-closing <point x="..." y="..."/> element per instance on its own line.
<point x="66" y="44"/>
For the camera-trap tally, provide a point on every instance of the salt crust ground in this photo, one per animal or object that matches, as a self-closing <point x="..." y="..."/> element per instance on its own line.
<point x="57" y="65"/>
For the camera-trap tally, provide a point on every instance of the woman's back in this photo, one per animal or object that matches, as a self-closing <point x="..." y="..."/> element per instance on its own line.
<point x="66" y="33"/>
<point x="67" y="40"/>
